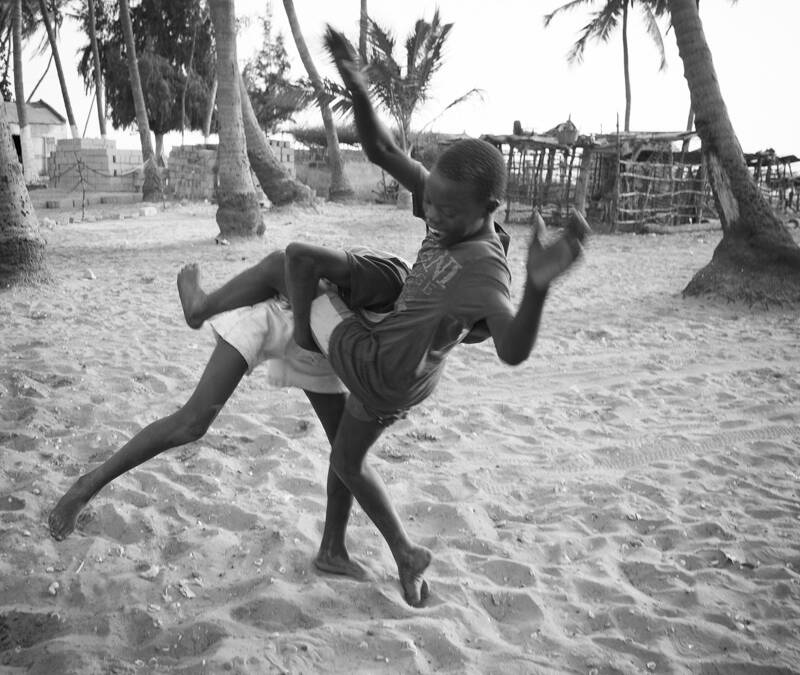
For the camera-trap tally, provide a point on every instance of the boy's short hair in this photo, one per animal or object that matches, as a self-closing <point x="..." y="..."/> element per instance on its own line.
<point x="477" y="162"/>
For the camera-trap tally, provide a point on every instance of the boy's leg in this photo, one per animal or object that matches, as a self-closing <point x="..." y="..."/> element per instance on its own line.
<point x="222" y="374"/>
<point x="353" y="440"/>
<point x="333" y="556"/>
<point x="260" y="282"/>
<point x="305" y="265"/>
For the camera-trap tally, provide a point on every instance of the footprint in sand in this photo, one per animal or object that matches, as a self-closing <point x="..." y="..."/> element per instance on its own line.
<point x="184" y="641"/>
<point x="512" y="608"/>
<point x="508" y="573"/>
<point x="275" y="615"/>
<point x="24" y="629"/>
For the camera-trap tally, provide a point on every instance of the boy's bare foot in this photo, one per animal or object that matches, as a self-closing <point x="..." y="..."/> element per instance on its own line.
<point x="65" y="514"/>
<point x="193" y="298"/>
<point x="341" y="564"/>
<point x="411" y="569"/>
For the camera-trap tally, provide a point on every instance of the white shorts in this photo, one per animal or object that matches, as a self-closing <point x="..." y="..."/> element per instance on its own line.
<point x="327" y="311"/>
<point x="263" y="332"/>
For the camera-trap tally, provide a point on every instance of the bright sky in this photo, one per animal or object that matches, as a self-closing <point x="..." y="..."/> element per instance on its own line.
<point x="502" y="47"/>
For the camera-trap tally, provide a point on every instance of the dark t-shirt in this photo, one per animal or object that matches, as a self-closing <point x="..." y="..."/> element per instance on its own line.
<point x="395" y="364"/>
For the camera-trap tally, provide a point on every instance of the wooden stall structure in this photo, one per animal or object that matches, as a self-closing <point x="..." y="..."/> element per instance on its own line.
<point x="626" y="181"/>
<point x="778" y="177"/>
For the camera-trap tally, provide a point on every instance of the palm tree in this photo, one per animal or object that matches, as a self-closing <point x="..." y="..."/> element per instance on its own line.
<point x="757" y="260"/>
<point x="152" y="189"/>
<point x="402" y="91"/>
<point x="603" y="23"/>
<point x="275" y="180"/>
<point x="340" y="189"/>
<point x="99" y="94"/>
<point x="238" y="212"/>
<point x="22" y="247"/>
<point x="51" y="37"/>
<point x="26" y="144"/>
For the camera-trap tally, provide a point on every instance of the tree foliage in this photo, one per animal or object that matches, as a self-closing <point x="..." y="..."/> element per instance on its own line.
<point x="275" y="97"/>
<point x="168" y="35"/>
<point x="31" y="24"/>
<point x="401" y="90"/>
<point x="605" y="21"/>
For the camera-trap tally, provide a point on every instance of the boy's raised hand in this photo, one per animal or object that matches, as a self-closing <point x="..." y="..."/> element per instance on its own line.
<point x="547" y="263"/>
<point x="344" y="58"/>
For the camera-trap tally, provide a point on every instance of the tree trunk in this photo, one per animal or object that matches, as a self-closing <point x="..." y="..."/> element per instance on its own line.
<point x="238" y="211"/>
<point x="626" y="66"/>
<point x="51" y="37"/>
<point x="363" y="27"/>
<point x="212" y="101"/>
<point x="757" y="259"/>
<point x="275" y="180"/>
<point x="22" y="247"/>
<point x="186" y="81"/>
<point x="152" y="189"/>
<point x="160" y="150"/>
<point x="29" y="168"/>
<point x="340" y="189"/>
<point x="98" y="74"/>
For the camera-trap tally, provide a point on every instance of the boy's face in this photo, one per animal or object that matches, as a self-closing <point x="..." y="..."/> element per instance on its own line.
<point x="452" y="213"/>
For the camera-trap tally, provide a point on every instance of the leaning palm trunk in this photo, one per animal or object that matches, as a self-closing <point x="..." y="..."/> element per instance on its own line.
<point x="51" y="37"/>
<point x="152" y="189"/>
<point x="22" y="247"/>
<point x="757" y="259"/>
<point x="238" y="211"/>
<point x="29" y="168"/>
<point x="275" y="180"/>
<point x="340" y="189"/>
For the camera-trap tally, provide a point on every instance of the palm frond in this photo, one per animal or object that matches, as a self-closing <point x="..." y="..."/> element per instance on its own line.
<point x="599" y="28"/>
<point x="654" y="31"/>
<point x="564" y="8"/>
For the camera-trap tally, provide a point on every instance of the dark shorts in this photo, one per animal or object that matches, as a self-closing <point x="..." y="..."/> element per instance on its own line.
<point x="376" y="278"/>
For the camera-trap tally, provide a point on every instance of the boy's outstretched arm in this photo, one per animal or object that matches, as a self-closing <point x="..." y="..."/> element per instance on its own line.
<point x="515" y="334"/>
<point x="376" y="140"/>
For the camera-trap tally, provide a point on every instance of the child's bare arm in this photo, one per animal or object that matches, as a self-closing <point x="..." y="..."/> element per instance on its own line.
<point x="515" y="334"/>
<point x="376" y="140"/>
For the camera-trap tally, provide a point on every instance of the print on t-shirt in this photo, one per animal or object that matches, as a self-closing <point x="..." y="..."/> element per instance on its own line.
<point x="434" y="269"/>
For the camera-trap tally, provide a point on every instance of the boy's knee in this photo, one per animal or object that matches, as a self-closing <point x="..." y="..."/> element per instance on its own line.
<point x="193" y="423"/>
<point x="299" y="256"/>
<point x="345" y="469"/>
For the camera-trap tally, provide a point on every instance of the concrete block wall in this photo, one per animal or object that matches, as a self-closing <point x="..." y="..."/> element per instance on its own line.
<point x="284" y="153"/>
<point x="193" y="171"/>
<point x="104" y="167"/>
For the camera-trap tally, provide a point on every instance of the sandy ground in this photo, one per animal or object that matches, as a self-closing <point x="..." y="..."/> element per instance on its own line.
<point x="624" y="502"/>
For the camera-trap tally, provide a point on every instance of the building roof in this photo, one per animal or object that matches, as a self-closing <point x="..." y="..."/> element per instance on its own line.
<point x="39" y="112"/>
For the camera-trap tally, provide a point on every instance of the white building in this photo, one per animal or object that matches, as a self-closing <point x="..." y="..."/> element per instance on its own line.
<point x="46" y="126"/>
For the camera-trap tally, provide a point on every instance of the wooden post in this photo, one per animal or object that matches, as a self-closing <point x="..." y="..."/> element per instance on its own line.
<point x="509" y="173"/>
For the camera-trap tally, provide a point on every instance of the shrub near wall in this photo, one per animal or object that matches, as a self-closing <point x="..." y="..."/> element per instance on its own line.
<point x="311" y="168"/>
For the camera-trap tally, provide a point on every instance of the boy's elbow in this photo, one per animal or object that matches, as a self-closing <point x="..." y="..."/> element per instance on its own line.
<point x="513" y="354"/>
<point x="512" y="359"/>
